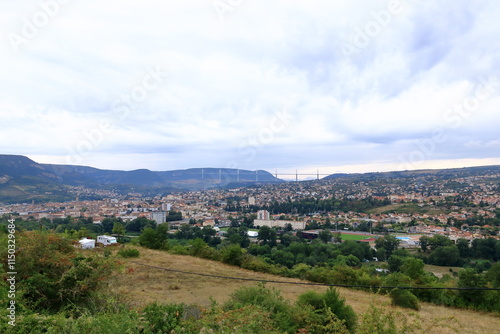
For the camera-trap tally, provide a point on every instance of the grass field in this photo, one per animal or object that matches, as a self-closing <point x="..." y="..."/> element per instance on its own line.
<point x="139" y="285"/>
<point x="441" y="271"/>
<point x="250" y="229"/>
<point x="355" y="237"/>
<point x="385" y="208"/>
<point x="407" y="208"/>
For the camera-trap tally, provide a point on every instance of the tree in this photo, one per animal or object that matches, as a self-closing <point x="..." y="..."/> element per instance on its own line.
<point x="439" y="241"/>
<point x="118" y="228"/>
<point x="424" y="242"/>
<point x="463" y="248"/>
<point x="337" y="237"/>
<point x="389" y="242"/>
<point x="381" y="254"/>
<point x="287" y="239"/>
<point x="325" y="235"/>
<point x="185" y="232"/>
<point x="174" y="215"/>
<point x="413" y="268"/>
<point x="108" y="224"/>
<point x="493" y="275"/>
<point x="446" y="256"/>
<point x="484" y="248"/>
<point x="209" y="235"/>
<point x="139" y="224"/>
<point x="359" y="249"/>
<point x="238" y="236"/>
<point x="468" y="278"/>
<point x="267" y="235"/>
<point x="82" y="233"/>
<point x="154" y="239"/>
<point x="395" y="263"/>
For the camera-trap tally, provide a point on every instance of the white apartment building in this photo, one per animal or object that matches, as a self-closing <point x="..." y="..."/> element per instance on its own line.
<point x="263" y="215"/>
<point x="296" y="225"/>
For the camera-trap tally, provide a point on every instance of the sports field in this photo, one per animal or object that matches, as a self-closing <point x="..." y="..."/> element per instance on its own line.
<point x="356" y="237"/>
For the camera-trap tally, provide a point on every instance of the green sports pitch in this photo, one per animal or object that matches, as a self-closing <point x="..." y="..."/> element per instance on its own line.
<point x="356" y="237"/>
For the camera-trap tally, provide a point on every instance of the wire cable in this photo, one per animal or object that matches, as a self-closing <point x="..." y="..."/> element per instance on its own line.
<point x="318" y="284"/>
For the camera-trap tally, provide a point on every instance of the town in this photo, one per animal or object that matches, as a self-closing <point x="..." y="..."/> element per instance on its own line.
<point x="460" y="207"/>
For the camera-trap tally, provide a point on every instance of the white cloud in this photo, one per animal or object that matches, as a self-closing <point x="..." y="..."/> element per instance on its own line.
<point x="228" y="78"/>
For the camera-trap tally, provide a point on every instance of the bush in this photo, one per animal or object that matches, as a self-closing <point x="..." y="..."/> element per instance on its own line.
<point x="232" y="254"/>
<point x="269" y="300"/>
<point x="385" y="321"/>
<point x="52" y="275"/>
<point x="247" y="319"/>
<point x="200" y="248"/>
<point x="179" y="250"/>
<point x="330" y="300"/>
<point x="404" y="298"/>
<point x="128" y="252"/>
<point x="162" y="318"/>
<point x="154" y="238"/>
<point x="256" y="264"/>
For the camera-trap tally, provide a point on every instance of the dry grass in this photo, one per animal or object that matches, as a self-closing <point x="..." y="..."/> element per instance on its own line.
<point x="140" y="285"/>
<point x="441" y="271"/>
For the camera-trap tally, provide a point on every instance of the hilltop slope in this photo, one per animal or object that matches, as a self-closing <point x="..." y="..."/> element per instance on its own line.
<point x="140" y="285"/>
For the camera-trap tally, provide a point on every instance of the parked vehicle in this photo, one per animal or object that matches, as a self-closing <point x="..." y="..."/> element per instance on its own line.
<point x="106" y="240"/>
<point x="87" y="243"/>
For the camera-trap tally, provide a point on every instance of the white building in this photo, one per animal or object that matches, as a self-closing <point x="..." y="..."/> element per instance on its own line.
<point x="263" y="215"/>
<point x="280" y="223"/>
<point x="159" y="217"/>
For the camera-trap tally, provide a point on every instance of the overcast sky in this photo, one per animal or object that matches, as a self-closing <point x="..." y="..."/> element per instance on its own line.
<point x="339" y="86"/>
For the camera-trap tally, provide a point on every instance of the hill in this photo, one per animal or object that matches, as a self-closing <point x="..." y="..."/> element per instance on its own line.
<point x="441" y="173"/>
<point x="23" y="180"/>
<point x="140" y="285"/>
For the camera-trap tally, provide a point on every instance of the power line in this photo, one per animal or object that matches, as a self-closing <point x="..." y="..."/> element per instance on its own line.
<point x="317" y="284"/>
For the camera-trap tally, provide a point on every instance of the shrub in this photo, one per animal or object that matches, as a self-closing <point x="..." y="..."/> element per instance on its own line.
<point x="330" y="300"/>
<point x="51" y="275"/>
<point x="128" y="252"/>
<point x="269" y="300"/>
<point x="200" y="248"/>
<point x="385" y="321"/>
<point x="404" y="298"/>
<point x="154" y="238"/>
<point x="256" y="264"/>
<point x="379" y="321"/>
<point x="232" y="254"/>
<point x="247" y="319"/>
<point x="179" y="250"/>
<point x="331" y="324"/>
<point x="162" y="318"/>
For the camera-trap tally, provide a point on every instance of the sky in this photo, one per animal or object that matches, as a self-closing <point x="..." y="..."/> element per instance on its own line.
<point x="280" y="85"/>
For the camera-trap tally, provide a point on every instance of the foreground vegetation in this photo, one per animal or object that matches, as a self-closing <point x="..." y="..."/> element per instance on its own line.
<point x="59" y="290"/>
<point x="338" y="263"/>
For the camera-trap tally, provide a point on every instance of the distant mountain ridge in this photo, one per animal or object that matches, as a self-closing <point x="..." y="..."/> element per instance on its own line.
<point x="443" y="173"/>
<point x="22" y="179"/>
